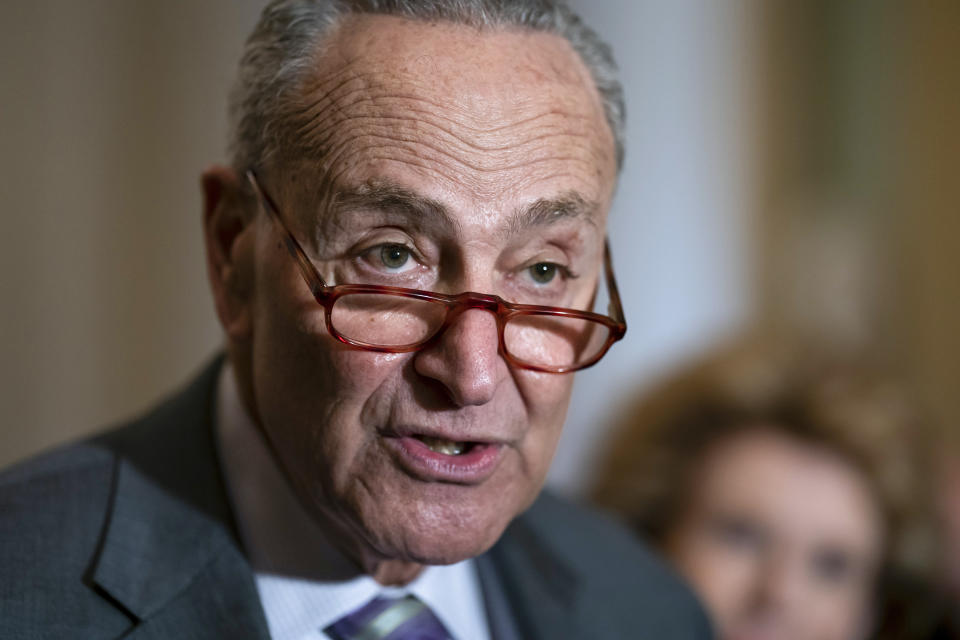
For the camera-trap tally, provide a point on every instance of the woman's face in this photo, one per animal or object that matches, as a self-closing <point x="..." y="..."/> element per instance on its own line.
<point x="781" y="539"/>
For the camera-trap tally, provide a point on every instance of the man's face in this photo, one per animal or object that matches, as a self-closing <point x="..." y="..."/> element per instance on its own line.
<point x="454" y="160"/>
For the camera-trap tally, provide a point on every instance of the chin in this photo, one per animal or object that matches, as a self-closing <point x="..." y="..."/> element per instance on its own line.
<point x="445" y="549"/>
<point x="443" y="534"/>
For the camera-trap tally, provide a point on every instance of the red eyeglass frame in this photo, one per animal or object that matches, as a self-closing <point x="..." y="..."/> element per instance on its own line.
<point x="456" y="304"/>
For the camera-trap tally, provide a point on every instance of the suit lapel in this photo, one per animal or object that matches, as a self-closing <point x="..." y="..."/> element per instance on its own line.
<point x="170" y="556"/>
<point x="220" y="602"/>
<point x="526" y="583"/>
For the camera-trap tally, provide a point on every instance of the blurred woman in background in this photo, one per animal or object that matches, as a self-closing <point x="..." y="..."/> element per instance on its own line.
<point x="793" y="496"/>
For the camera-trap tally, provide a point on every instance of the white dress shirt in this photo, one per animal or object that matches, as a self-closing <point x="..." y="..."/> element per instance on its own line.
<point x="305" y="584"/>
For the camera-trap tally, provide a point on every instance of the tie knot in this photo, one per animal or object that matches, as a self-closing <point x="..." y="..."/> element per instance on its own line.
<point x="399" y="618"/>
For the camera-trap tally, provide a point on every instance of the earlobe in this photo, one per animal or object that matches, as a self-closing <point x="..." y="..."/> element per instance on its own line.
<point x="227" y="225"/>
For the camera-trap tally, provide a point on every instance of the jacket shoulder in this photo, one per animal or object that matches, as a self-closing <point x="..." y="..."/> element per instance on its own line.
<point x="621" y="579"/>
<point x="104" y="534"/>
<point x="58" y="490"/>
<point x="53" y="510"/>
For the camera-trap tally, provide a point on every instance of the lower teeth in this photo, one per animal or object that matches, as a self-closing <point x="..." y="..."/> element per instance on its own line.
<point x="446" y="447"/>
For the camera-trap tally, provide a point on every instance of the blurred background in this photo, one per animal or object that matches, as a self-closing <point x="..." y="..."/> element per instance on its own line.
<point x="792" y="168"/>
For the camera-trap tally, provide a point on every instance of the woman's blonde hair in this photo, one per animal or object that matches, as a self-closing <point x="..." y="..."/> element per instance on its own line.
<point x="846" y="408"/>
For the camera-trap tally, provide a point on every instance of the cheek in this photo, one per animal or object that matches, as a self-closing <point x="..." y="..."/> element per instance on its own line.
<point x="546" y="395"/>
<point x="722" y="578"/>
<point x="840" y="613"/>
<point x="546" y="398"/>
<point x="311" y="390"/>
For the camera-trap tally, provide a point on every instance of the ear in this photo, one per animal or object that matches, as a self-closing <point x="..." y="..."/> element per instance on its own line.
<point x="228" y="238"/>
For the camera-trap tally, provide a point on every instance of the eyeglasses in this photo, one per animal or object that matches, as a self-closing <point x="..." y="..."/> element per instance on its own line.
<point x="399" y="320"/>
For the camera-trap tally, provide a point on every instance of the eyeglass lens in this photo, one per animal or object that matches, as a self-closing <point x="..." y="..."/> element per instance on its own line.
<point x="546" y="340"/>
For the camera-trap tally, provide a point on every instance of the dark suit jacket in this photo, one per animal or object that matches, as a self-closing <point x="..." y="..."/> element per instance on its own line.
<point x="131" y="535"/>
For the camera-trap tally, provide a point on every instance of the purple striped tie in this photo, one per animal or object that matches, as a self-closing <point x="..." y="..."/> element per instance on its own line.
<point x="403" y="618"/>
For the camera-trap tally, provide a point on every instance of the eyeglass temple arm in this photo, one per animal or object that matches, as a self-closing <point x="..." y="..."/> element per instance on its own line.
<point x="615" y="307"/>
<point x="310" y="274"/>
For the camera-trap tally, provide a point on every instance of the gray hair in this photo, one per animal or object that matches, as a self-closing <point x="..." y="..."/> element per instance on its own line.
<point x="280" y="53"/>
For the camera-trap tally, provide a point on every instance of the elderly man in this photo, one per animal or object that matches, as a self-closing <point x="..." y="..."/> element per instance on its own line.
<point x="404" y="254"/>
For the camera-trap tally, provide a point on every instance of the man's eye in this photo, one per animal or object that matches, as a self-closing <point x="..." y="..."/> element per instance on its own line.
<point x="543" y="272"/>
<point x="394" y="256"/>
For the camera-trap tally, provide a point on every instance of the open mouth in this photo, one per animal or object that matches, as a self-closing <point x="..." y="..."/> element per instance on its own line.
<point x="446" y="447"/>
<point x="434" y="458"/>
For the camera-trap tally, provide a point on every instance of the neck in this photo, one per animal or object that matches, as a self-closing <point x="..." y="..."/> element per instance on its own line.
<point x="395" y="573"/>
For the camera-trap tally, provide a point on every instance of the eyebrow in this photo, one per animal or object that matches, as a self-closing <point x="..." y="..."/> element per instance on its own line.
<point x="548" y="211"/>
<point x="394" y="200"/>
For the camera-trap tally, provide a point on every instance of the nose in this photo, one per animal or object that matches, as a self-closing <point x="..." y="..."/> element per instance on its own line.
<point x="465" y="359"/>
<point x="780" y="584"/>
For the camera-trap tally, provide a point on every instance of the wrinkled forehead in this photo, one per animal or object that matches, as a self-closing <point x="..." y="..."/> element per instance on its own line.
<point x="489" y="58"/>
<point x="454" y="113"/>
